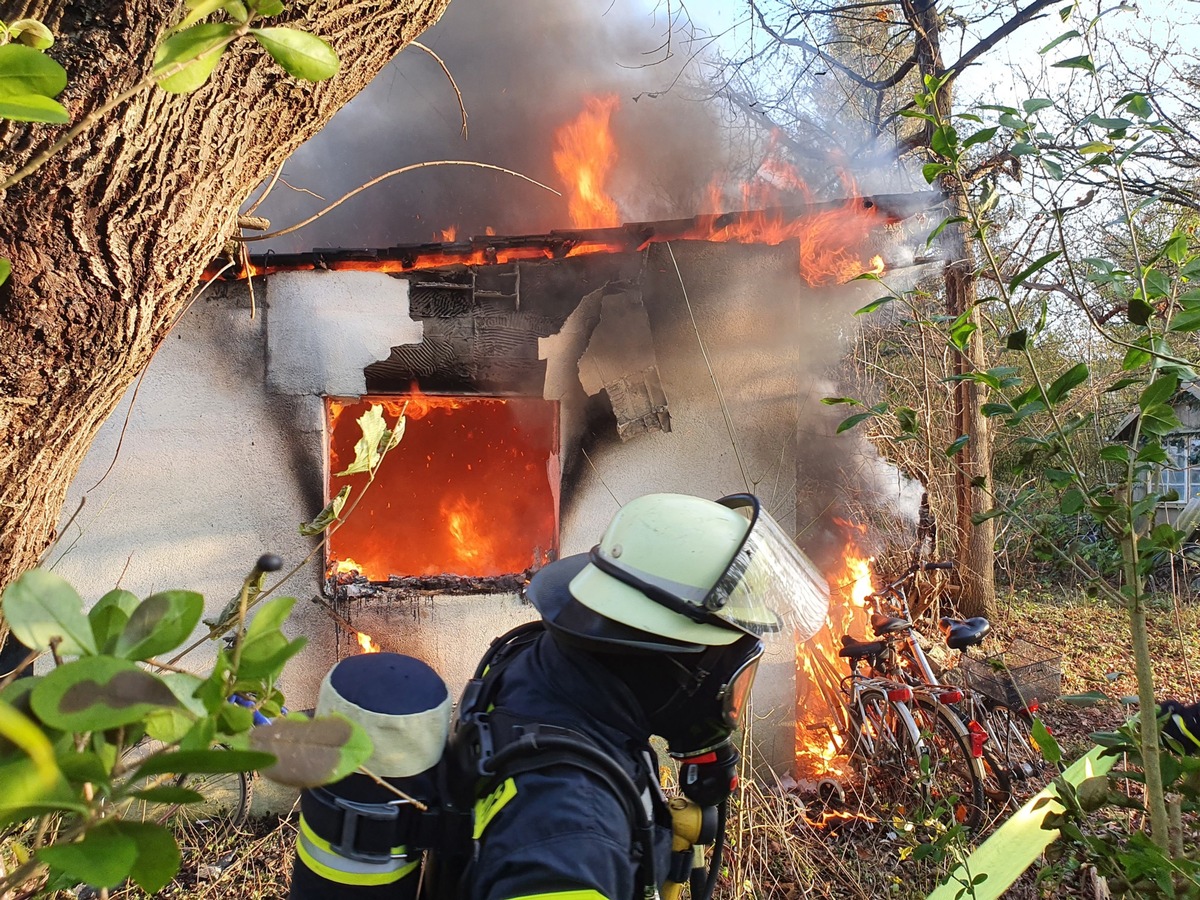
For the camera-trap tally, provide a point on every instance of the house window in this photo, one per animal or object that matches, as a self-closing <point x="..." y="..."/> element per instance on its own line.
<point x="470" y="492"/>
<point x="1182" y="472"/>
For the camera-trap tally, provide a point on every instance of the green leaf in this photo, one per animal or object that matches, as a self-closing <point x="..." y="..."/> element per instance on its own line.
<point x="1176" y="249"/>
<point x="185" y="60"/>
<point x="836" y="401"/>
<point x="103" y="858"/>
<point x="1121" y="383"/>
<point x="199" y="10"/>
<point x="1075" y="62"/>
<point x="980" y="137"/>
<point x="1017" y="340"/>
<point x="192" y="762"/>
<point x="312" y="752"/>
<point x="97" y="693"/>
<point x="158" y="858"/>
<point x="31" y="33"/>
<point x="265" y="648"/>
<point x="267" y="7"/>
<point x="302" y="55"/>
<point x="168" y="793"/>
<point x="328" y="515"/>
<point x="1089" y="698"/>
<point x="1072" y="502"/>
<point x="24" y="71"/>
<point x="959" y="443"/>
<point x="1037" y="266"/>
<point x="109" y="617"/>
<point x="1135" y="358"/>
<point x="1053" y="169"/>
<point x="874" y="305"/>
<point x="961" y="330"/>
<point x="1066" y="382"/>
<point x="850" y="421"/>
<point x="40" y="606"/>
<point x="160" y="623"/>
<point x="32" y="108"/>
<point x="22" y="733"/>
<point x="1186" y="321"/>
<point x="1159" y="419"/>
<point x="1139" y="311"/>
<point x="942" y="225"/>
<point x="1093" y="147"/>
<point x="907" y="419"/>
<point x="1160" y="390"/>
<point x="1046" y="743"/>
<point x="1117" y="453"/>
<point x="5" y="267"/>
<point x="931" y="171"/>
<point x="1138" y="104"/>
<point x="991" y="410"/>
<point x="1036" y="105"/>
<point x="1065" y="36"/>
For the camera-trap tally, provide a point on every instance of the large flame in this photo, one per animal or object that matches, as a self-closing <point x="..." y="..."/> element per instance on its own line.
<point x="470" y="491"/>
<point x="820" y="669"/>
<point x="585" y="156"/>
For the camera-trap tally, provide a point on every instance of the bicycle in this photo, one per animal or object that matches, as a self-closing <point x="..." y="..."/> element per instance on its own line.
<point x="997" y="733"/>
<point x="909" y="754"/>
<point x="226" y="795"/>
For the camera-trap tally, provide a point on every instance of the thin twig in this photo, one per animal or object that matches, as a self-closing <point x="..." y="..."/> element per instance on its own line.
<point x="385" y="176"/>
<point x="457" y="93"/>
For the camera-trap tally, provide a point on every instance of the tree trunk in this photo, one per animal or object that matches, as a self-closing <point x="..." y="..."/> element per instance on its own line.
<point x="109" y="239"/>
<point x="974" y="541"/>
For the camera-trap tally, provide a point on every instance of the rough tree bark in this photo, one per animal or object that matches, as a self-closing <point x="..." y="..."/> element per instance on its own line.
<point x="109" y="239"/>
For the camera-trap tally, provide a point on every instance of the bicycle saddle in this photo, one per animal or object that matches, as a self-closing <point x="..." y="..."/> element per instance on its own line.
<point x="963" y="634"/>
<point x="882" y="624"/>
<point x="853" y="648"/>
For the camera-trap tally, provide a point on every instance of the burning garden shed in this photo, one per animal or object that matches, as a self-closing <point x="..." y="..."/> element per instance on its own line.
<point x="542" y="387"/>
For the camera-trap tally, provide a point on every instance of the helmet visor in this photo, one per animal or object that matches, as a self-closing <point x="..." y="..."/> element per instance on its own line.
<point x="770" y="586"/>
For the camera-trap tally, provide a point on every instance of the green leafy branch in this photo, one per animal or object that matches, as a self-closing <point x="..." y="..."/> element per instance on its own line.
<point x="70" y="739"/>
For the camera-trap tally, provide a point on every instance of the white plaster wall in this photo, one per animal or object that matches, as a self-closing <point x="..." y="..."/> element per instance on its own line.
<point x="224" y="450"/>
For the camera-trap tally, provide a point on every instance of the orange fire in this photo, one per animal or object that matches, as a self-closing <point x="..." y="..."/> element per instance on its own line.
<point x="470" y="491"/>
<point x="585" y="156"/>
<point x="449" y="234"/>
<point x="820" y="670"/>
<point x="343" y="567"/>
<point x="367" y="644"/>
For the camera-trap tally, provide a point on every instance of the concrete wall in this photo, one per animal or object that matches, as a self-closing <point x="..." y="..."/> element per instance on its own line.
<point x="223" y="454"/>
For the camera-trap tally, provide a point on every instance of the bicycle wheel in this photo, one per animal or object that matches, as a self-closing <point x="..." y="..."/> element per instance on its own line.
<point x="887" y="749"/>
<point x="1014" y="745"/>
<point x="953" y="782"/>
<point x="225" y="806"/>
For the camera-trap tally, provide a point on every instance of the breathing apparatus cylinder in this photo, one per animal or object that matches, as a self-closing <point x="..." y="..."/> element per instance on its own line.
<point x="357" y="839"/>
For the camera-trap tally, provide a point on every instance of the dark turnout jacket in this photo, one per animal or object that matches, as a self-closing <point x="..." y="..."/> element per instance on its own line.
<point x="559" y="830"/>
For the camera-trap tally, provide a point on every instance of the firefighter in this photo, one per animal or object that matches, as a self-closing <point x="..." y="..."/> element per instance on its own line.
<point x="656" y="631"/>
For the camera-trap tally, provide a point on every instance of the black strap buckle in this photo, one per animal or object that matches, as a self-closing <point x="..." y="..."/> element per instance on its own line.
<point x="367" y="832"/>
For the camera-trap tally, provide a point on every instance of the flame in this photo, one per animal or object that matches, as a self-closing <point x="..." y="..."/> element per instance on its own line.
<point x="469" y="491"/>
<point x="471" y="545"/>
<point x="586" y="154"/>
<point x="367" y="644"/>
<point x="345" y="566"/>
<point x="449" y="234"/>
<point x="820" y="669"/>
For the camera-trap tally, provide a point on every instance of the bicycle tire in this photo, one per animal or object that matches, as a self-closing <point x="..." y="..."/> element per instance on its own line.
<point x="1014" y="744"/>
<point x="887" y="749"/>
<point x="226" y="804"/>
<point x="954" y="780"/>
